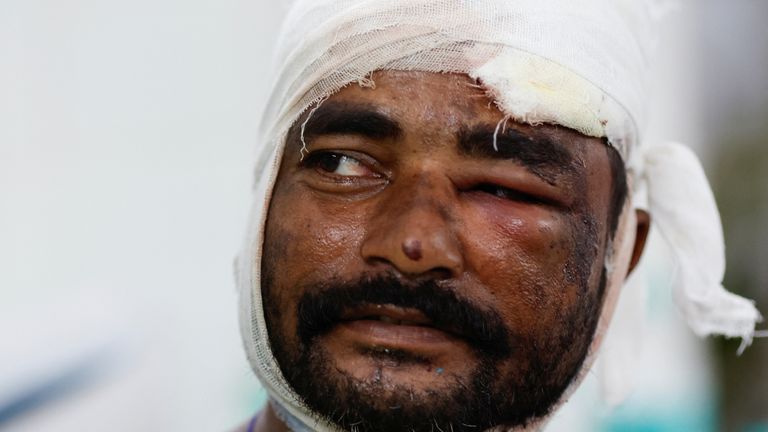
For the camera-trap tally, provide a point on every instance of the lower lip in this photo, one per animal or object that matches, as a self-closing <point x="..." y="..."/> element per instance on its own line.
<point x="382" y="334"/>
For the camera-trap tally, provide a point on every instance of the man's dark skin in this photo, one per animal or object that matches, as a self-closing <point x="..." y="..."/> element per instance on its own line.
<point x="403" y="182"/>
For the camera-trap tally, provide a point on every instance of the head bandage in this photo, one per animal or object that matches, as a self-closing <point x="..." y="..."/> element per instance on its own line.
<point x="577" y="63"/>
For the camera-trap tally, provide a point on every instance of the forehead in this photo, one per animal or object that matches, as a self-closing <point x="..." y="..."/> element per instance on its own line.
<point x="443" y="104"/>
<point x="423" y="97"/>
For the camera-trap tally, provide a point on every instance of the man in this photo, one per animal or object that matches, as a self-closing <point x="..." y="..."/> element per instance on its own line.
<point x="445" y="215"/>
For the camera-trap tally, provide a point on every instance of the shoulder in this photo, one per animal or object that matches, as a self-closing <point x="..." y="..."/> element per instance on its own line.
<point x="247" y="426"/>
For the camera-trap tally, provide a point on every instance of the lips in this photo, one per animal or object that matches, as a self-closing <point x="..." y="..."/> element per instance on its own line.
<point x="393" y="327"/>
<point x="389" y="314"/>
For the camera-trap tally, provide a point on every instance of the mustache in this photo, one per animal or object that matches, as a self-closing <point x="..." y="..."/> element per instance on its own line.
<point x="323" y="306"/>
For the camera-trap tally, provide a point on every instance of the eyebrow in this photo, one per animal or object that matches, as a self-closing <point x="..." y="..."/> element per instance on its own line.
<point x="340" y="118"/>
<point x="541" y="155"/>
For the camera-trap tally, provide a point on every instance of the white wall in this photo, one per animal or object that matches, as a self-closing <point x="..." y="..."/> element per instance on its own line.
<point x="127" y="130"/>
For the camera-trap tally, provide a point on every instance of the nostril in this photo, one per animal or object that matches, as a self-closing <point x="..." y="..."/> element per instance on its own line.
<point x="411" y="273"/>
<point x="439" y="274"/>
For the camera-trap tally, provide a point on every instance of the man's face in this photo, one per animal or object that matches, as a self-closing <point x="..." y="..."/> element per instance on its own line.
<point x="427" y="264"/>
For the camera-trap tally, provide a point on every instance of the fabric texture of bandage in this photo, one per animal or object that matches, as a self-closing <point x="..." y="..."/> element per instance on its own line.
<point x="581" y="64"/>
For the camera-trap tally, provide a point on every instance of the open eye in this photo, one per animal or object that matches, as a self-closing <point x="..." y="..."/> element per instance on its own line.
<point x="338" y="164"/>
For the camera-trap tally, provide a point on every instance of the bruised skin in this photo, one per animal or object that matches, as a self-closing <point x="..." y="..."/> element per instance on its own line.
<point x="416" y="208"/>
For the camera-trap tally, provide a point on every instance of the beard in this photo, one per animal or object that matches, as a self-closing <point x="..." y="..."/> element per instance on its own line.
<point x="492" y="394"/>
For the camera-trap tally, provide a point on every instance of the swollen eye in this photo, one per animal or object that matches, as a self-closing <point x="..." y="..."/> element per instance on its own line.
<point x="502" y="192"/>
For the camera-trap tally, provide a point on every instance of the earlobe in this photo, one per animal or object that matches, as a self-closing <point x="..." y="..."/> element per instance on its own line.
<point x="643" y="226"/>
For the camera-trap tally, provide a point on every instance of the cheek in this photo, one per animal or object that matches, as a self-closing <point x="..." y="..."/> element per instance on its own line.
<point x="316" y="240"/>
<point x="521" y="256"/>
<point x="303" y="244"/>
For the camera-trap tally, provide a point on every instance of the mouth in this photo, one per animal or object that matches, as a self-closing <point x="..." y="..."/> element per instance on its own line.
<point x="387" y="326"/>
<point x="389" y="314"/>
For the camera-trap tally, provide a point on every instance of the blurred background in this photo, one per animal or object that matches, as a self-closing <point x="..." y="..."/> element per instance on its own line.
<point x="127" y="132"/>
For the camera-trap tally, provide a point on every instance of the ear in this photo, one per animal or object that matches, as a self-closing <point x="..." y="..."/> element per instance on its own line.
<point x="643" y="226"/>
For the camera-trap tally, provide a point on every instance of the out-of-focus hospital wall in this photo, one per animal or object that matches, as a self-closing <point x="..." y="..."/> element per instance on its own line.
<point x="127" y="132"/>
<point x="735" y="80"/>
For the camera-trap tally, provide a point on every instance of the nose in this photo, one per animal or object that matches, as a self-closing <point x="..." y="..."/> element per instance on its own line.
<point x="412" y="231"/>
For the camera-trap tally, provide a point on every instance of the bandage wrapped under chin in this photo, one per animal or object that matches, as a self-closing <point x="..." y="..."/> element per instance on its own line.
<point x="581" y="64"/>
